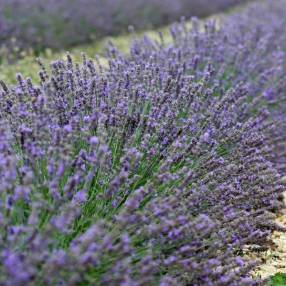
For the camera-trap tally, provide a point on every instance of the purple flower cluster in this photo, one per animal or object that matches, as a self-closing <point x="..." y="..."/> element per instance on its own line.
<point x="60" y="24"/>
<point x="157" y="170"/>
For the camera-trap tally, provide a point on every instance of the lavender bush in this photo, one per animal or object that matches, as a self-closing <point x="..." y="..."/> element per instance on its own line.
<point x="157" y="170"/>
<point x="60" y="24"/>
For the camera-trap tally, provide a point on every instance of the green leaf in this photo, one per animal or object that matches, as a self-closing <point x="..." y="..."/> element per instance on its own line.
<point x="279" y="279"/>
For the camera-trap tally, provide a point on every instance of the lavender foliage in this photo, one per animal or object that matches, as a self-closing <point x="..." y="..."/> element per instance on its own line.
<point x="157" y="170"/>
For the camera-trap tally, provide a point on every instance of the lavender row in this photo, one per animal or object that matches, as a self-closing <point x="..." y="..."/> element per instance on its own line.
<point x="157" y="170"/>
<point x="61" y="24"/>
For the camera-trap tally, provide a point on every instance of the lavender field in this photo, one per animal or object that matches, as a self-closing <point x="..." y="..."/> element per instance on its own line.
<point x="163" y="165"/>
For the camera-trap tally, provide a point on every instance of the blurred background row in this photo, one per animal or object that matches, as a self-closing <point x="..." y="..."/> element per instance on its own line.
<point x="59" y="24"/>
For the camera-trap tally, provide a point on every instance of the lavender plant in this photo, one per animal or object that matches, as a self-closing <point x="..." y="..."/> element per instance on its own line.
<point x="157" y="170"/>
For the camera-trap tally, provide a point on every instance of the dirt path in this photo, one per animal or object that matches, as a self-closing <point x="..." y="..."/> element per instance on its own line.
<point x="275" y="260"/>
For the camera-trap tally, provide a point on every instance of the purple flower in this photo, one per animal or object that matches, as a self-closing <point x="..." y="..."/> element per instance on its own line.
<point x="157" y="169"/>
